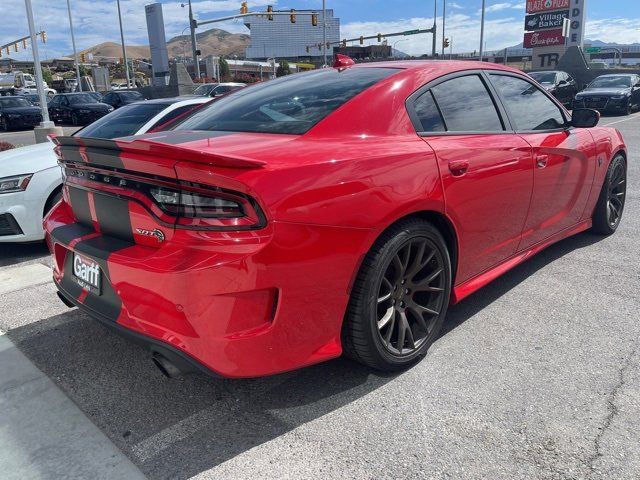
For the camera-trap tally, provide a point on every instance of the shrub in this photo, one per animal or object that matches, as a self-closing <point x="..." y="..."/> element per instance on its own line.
<point x="5" y="146"/>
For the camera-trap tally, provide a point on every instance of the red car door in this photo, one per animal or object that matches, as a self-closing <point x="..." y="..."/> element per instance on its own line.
<point x="486" y="169"/>
<point x="565" y="159"/>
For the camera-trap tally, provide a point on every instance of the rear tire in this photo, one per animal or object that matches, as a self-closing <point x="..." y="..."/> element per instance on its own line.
<point x="400" y="297"/>
<point x="4" y="125"/>
<point x="608" y="212"/>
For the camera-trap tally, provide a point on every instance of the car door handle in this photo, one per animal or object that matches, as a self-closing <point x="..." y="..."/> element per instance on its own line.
<point x="542" y="160"/>
<point x="458" y="168"/>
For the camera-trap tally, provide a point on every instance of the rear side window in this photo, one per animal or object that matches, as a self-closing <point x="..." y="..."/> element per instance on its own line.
<point x="291" y="104"/>
<point x="530" y="109"/>
<point x="466" y="105"/>
<point x="166" y="122"/>
<point x="428" y="114"/>
<point x="122" y="122"/>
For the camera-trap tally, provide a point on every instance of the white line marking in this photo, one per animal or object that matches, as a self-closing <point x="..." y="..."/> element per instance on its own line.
<point x="631" y="117"/>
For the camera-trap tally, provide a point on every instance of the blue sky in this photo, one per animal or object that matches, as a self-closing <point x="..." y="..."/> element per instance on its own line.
<point x="95" y="21"/>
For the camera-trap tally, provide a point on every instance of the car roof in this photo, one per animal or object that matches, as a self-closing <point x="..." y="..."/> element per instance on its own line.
<point x="195" y="100"/>
<point x="438" y="67"/>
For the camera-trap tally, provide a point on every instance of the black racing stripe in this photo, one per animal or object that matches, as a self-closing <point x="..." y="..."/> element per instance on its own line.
<point x="101" y="247"/>
<point x="80" y="205"/>
<point x="67" y="233"/>
<point x="113" y="216"/>
<point x="108" y="158"/>
<point x="71" y="154"/>
<point x="176" y="137"/>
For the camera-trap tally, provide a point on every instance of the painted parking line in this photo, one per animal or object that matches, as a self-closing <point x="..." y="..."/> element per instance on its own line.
<point x="43" y="434"/>
<point x="630" y="117"/>
<point x="18" y="278"/>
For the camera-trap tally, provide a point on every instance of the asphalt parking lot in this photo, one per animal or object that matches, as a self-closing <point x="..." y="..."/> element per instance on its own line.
<point x="20" y="138"/>
<point x="535" y="376"/>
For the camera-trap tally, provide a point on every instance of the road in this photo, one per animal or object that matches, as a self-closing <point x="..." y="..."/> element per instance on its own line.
<point x="535" y="376"/>
<point x="20" y="138"/>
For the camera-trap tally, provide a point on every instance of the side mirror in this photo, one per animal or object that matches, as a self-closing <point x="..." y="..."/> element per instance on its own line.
<point x="584" y="118"/>
<point x="562" y="82"/>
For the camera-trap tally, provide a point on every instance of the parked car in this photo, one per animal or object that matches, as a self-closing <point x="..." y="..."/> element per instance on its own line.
<point x="77" y="108"/>
<point x="217" y="89"/>
<point x="122" y="86"/>
<point x="97" y="95"/>
<point x="18" y="112"/>
<point x="558" y="83"/>
<point x="31" y="180"/>
<point x="338" y="210"/>
<point x="615" y="93"/>
<point x="121" y="97"/>
<point x="34" y="99"/>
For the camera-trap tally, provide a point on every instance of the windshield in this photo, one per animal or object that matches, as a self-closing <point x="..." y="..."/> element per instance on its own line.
<point x="291" y="104"/>
<point x="81" y="98"/>
<point x="14" y="102"/>
<point x="131" y="95"/>
<point x="204" y="89"/>
<point x="123" y="122"/>
<point x="543" y="77"/>
<point x="611" y="82"/>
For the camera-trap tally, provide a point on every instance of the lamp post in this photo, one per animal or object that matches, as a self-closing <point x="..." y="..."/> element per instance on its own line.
<point x="435" y="15"/>
<point x="75" y="52"/>
<point x="194" y="44"/>
<point x="482" y="31"/>
<point x="124" y="49"/>
<point x="324" y="30"/>
<point x="444" y="16"/>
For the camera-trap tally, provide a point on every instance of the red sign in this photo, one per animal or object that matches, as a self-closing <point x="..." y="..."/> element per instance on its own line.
<point x="545" y="38"/>
<point x="534" y="6"/>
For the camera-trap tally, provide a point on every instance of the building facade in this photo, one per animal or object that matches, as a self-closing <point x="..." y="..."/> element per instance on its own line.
<point x="279" y="38"/>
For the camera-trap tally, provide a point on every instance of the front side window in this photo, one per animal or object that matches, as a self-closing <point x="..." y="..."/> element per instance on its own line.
<point x="529" y="107"/>
<point x="544" y="77"/>
<point x="466" y="105"/>
<point x="291" y="104"/>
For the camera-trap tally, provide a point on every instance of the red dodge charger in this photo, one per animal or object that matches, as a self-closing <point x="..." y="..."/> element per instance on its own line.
<point x="336" y="211"/>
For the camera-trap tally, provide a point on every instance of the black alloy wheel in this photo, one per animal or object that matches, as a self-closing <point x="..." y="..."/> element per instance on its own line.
<point x="608" y="211"/>
<point x="400" y="297"/>
<point x="629" y="109"/>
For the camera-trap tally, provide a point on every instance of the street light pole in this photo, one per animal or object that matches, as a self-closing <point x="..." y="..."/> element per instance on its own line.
<point x="324" y="30"/>
<point x="444" y="16"/>
<point x="435" y="15"/>
<point x="75" y="52"/>
<point x="194" y="44"/>
<point x="124" y="50"/>
<point x="482" y="31"/>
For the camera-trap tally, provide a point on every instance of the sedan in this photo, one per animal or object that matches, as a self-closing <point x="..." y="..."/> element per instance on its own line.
<point x="616" y="93"/>
<point x="120" y="98"/>
<point x="30" y="178"/>
<point x="77" y="108"/>
<point x="18" y="112"/>
<point x="336" y="211"/>
<point x="558" y="83"/>
<point x="218" y="89"/>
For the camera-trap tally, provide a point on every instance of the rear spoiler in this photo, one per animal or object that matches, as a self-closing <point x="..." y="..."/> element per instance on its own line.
<point x="98" y="151"/>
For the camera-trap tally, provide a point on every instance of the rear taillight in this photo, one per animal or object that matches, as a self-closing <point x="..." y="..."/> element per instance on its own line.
<point x="187" y="204"/>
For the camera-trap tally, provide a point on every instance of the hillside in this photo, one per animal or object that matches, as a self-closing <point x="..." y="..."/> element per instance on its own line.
<point x="210" y="42"/>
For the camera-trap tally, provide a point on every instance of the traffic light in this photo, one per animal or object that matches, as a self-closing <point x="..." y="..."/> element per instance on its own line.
<point x="269" y="11"/>
<point x="344" y="42"/>
<point x="361" y="40"/>
<point x="8" y="51"/>
<point x="307" y="49"/>
<point x="24" y="44"/>
<point x="292" y="16"/>
<point x="445" y="43"/>
<point x="379" y="37"/>
<point x="314" y="19"/>
<point x="43" y="36"/>
<point x="243" y="8"/>
<point x="83" y="57"/>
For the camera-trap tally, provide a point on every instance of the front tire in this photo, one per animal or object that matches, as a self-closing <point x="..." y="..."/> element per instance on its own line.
<point x="74" y="120"/>
<point x="400" y="297"/>
<point x="4" y="125"/>
<point x="608" y="212"/>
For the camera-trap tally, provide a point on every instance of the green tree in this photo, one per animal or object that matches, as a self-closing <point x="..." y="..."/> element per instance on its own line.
<point x="283" y="69"/>
<point x="225" y="73"/>
<point x="47" y="76"/>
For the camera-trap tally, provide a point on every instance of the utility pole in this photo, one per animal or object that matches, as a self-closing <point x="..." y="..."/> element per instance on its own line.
<point x="46" y="126"/>
<point x="75" y="52"/>
<point x="194" y="44"/>
<point x="482" y="31"/>
<point x="435" y="15"/>
<point x="124" y="49"/>
<point x="324" y="30"/>
<point x="444" y="16"/>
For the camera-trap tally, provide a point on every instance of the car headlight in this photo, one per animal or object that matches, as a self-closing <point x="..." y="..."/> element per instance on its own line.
<point x="14" y="115"/>
<point x="110" y="109"/>
<point x="618" y="97"/>
<point x="82" y="110"/>
<point x="15" y="184"/>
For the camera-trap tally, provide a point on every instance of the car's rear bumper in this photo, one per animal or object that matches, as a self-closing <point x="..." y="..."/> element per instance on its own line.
<point x="240" y="305"/>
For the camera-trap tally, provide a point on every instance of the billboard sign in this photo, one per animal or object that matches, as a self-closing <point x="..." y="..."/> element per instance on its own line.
<point x="157" y="44"/>
<point x="542" y="21"/>
<point x="576" y="26"/>
<point x="545" y="38"/>
<point x="535" y="6"/>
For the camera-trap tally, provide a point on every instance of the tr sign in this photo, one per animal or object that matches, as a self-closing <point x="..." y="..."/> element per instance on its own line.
<point x="535" y="6"/>
<point x="545" y="38"/>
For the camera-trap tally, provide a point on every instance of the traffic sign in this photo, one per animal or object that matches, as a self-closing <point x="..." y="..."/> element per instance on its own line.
<point x="411" y="32"/>
<point x="592" y="49"/>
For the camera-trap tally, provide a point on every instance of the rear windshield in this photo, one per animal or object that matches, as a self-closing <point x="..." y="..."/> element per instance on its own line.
<point x="123" y="122"/>
<point x="14" y="102"/>
<point x="291" y="104"/>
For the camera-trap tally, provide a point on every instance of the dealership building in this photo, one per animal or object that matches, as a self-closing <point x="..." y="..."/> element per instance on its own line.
<point x="279" y="38"/>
